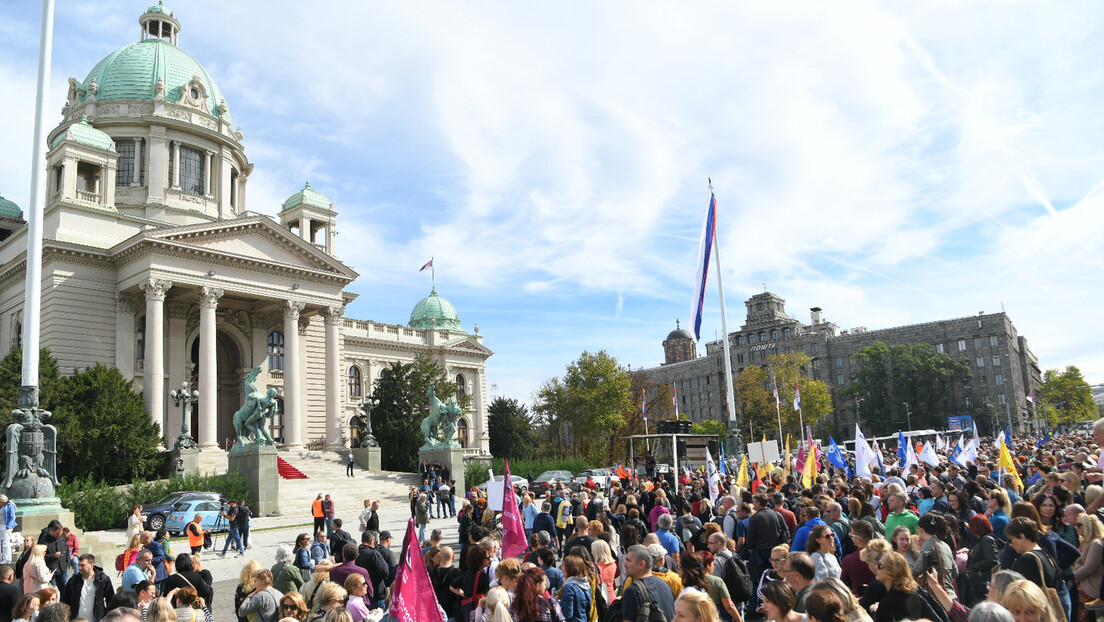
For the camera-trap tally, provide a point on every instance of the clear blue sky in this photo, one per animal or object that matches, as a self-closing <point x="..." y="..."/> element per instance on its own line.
<point x="890" y="162"/>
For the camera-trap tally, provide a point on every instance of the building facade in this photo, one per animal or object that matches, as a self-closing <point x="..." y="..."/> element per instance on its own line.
<point x="154" y="263"/>
<point x="1004" y="368"/>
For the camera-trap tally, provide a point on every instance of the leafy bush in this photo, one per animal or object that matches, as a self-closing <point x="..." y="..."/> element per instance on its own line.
<point x="475" y="473"/>
<point x="96" y="505"/>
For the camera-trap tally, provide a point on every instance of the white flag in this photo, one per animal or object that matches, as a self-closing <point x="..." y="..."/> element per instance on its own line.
<point x="976" y="441"/>
<point x="864" y="455"/>
<point x="968" y="454"/>
<point x="927" y="454"/>
<point x="940" y="444"/>
<point x="712" y="477"/>
<point x="910" y="457"/>
<point x="961" y="439"/>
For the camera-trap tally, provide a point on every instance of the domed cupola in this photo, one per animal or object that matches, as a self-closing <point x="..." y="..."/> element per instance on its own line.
<point x="154" y="69"/>
<point x="11" y="218"/>
<point x="679" y="346"/>
<point x="434" y="312"/>
<point x="311" y="214"/>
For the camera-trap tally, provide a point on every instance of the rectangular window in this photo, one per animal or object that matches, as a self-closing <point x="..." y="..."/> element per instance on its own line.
<point x="785" y="333"/>
<point x="816" y="363"/>
<point x="816" y="348"/>
<point x="1001" y="399"/>
<point x="981" y="380"/>
<point x="191" y="171"/>
<point x="961" y="345"/>
<point x="939" y="348"/>
<point x="839" y="379"/>
<point x="999" y="379"/>
<point x="124" y="174"/>
<point x="992" y="341"/>
<point x="740" y="358"/>
<point x="977" y="343"/>
<point x="996" y="361"/>
<point x="852" y="361"/>
<point x="981" y="361"/>
<point x="839" y="361"/>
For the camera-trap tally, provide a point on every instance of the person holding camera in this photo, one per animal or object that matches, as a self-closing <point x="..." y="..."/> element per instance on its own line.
<point x="230" y="515"/>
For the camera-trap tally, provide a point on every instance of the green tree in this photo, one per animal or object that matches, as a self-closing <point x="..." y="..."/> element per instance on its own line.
<point x="1065" y="397"/>
<point x="103" y="428"/>
<point x="869" y="387"/>
<point x="923" y="379"/>
<point x="710" y="426"/>
<point x="510" y="427"/>
<point x="816" y="399"/>
<point x="11" y="378"/>
<point x="755" y="404"/>
<point x="584" y="413"/>
<point x="402" y="389"/>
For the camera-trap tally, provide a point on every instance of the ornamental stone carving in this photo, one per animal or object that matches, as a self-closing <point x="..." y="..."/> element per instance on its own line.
<point x="334" y="315"/>
<point x="292" y="309"/>
<point x="177" y="312"/>
<point x="209" y="297"/>
<point x="155" y="289"/>
<point x="125" y="303"/>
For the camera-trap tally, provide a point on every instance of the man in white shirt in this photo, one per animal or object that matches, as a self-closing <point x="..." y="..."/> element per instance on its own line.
<point x="88" y="593"/>
<point x="442" y="499"/>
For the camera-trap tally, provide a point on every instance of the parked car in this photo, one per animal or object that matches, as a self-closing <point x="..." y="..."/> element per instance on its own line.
<point x="520" y="483"/>
<point x="599" y="476"/>
<point x="154" y="514"/>
<point x="185" y="511"/>
<point x="550" y="478"/>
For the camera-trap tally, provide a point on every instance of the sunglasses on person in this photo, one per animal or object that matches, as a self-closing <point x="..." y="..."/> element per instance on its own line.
<point x="289" y="607"/>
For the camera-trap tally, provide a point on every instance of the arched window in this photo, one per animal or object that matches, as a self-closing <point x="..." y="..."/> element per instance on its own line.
<point x="462" y="432"/>
<point x="276" y="423"/>
<point x="140" y="339"/>
<point x="461" y="386"/>
<point x="354" y="382"/>
<point x="275" y="351"/>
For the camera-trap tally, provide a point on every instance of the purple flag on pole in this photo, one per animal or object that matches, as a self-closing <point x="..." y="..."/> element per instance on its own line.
<point x="412" y="595"/>
<point x="513" y="529"/>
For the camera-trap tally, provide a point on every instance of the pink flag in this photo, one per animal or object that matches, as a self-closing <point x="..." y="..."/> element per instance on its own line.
<point x="513" y="530"/>
<point x="412" y="595"/>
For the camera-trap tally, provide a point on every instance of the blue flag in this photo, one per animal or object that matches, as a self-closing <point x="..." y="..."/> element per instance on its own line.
<point x="902" y="451"/>
<point x="955" y="450"/>
<point x="835" y="456"/>
<point x="724" y="467"/>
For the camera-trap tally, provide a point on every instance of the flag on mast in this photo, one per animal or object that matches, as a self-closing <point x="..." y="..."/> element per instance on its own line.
<point x="428" y="265"/>
<point x="797" y="396"/>
<point x="513" y="529"/>
<point x="674" y="399"/>
<point x="786" y="461"/>
<point x="644" y="404"/>
<point x="412" y="595"/>
<point x="709" y="230"/>
<point x="777" y="401"/>
<point x="712" y="477"/>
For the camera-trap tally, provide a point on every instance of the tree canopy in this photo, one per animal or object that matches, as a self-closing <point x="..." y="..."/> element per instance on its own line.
<point x="1066" y="397"/>
<point x="402" y="389"/>
<point x="511" y="428"/>
<point x="789" y="371"/>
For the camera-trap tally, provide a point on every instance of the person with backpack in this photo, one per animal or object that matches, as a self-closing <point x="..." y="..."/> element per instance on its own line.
<point x="731" y="569"/>
<point x="697" y="574"/>
<point x="766" y="530"/>
<point x="648" y="598"/>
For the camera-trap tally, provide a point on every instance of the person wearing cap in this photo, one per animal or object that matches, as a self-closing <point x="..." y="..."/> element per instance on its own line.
<point x="384" y="547"/>
<point x="7" y="524"/>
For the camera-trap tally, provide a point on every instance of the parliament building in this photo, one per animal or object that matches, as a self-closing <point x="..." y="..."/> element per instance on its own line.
<point x="156" y="263"/>
<point x="1004" y="368"/>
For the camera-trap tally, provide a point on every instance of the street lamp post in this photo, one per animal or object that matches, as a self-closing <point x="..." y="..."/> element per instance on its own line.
<point x="367" y="406"/>
<point x="908" y="414"/>
<point x="182" y="398"/>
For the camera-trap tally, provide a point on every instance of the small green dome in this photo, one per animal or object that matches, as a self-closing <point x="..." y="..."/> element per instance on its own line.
<point x="308" y="196"/>
<point x="83" y="133"/>
<point x="9" y="209"/>
<point x="159" y="8"/>
<point x="431" y="308"/>
<point x="132" y="73"/>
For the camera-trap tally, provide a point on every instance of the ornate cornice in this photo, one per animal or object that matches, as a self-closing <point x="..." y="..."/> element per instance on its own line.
<point x="292" y="309"/>
<point x="209" y="297"/>
<point x="155" y="289"/>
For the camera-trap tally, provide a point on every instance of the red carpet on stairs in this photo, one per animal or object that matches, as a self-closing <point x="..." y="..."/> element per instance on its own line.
<point x="287" y="471"/>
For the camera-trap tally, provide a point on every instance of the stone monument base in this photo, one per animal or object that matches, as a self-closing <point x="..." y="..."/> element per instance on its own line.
<point x="451" y="458"/>
<point x="31" y="519"/>
<point x="257" y="464"/>
<point x="191" y="462"/>
<point x="369" y="458"/>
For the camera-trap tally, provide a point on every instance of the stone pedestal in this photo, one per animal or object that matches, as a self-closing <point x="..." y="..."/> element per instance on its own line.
<point x="257" y="464"/>
<point x="30" y="520"/>
<point x="368" y="458"/>
<point x="191" y="462"/>
<point x="451" y="458"/>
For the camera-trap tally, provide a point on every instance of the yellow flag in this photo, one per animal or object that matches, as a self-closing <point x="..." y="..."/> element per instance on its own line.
<point x="786" y="461"/>
<point x="1009" y="465"/>
<point x="809" y="474"/>
<point x="742" y="476"/>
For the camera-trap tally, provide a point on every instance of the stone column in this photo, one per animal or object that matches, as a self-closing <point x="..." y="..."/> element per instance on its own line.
<point x="176" y="165"/>
<point x="207" y="181"/>
<point x="333" y="317"/>
<point x="305" y="229"/>
<point x="154" y="389"/>
<point x="158" y="165"/>
<point x="137" y="179"/>
<point x="293" y="415"/>
<point x="208" y="369"/>
<point x="125" y="307"/>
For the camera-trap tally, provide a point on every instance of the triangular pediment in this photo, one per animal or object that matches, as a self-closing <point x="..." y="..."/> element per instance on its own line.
<point x="255" y="238"/>
<point x="468" y="344"/>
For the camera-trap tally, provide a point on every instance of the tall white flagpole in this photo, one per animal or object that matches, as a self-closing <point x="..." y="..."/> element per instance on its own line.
<point x="32" y="305"/>
<point x="724" y="329"/>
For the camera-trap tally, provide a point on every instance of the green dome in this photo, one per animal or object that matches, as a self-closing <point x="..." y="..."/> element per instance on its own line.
<point x="10" y="210"/>
<point x="308" y="196"/>
<point x="83" y="133"/>
<point x="132" y="72"/>
<point x="431" y="308"/>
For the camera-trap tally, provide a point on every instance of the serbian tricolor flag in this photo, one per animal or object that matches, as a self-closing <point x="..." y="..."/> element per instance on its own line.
<point x="777" y="401"/>
<point x="797" y="396"/>
<point x="674" y="399"/>
<point x="758" y="481"/>
<point x="428" y="265"/>
<point x="643" y="404"/>
<point x="412" y="595"/>
<point x="1031" y="396"/>
<point x="704" y="251"/>
<point x="513" y="529"/>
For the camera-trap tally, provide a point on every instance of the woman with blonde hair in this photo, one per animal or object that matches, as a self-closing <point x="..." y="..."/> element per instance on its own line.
<point x="245" y="584"/>
<point x="328" y="597"/>
<point x="902" y="601"/>
<point x="36" y="574"/>
<point x="495" y="606"/>
<point x="1088" y="569"/>
<point x="310" y="588"/>
<point x="852" y="610"/>
<point x="607" y="567"/>
<point x="161" y="610"/>
<point x="999" y="509"/>
<point x="1027" y="602"/>
<point x="292" y="605"/>
<point x="507" y="573"/>
<point x="695" y="606"/>
<point x="130" y="553"/>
